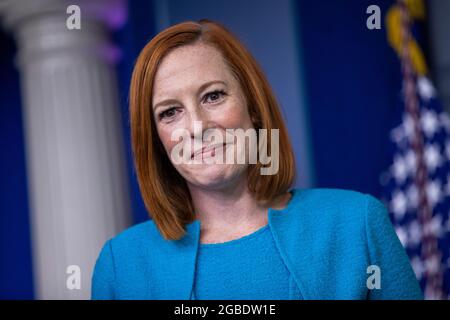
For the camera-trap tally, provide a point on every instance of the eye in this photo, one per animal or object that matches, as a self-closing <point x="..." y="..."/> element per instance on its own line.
<point x="167" y="114"/>
<point x="214" y="96"/>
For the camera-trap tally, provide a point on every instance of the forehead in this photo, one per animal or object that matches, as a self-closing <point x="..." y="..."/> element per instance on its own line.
<point x="188" y="67"/>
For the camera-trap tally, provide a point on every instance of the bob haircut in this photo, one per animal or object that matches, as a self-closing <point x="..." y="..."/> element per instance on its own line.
<point x="164" y="191"/>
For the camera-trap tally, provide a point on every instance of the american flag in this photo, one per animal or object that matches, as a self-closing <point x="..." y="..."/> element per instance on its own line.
<point x="416" y="185"/>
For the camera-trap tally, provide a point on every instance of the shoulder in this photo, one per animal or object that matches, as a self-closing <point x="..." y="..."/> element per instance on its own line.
<point x="120" y="269"/>
<point x="336" y="204"/>
<point x="342" y="215"/>
<point x="335" y="214"/>
<point x="128" y="247"/>
<point x="352" y="230"/>
<point x="135" y="236"/>
<point x="331" y="196"/>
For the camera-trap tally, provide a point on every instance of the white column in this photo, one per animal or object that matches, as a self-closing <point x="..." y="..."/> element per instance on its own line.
<point x="78" y="187"/>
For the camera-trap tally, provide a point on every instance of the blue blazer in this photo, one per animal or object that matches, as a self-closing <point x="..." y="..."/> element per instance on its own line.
<point x="327" y="238"/>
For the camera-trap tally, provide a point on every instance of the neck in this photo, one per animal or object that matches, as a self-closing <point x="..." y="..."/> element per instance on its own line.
<point x="227" y="212"/>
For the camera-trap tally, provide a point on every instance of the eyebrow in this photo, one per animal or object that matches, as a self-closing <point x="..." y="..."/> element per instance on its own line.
<point x="200" y="89"/>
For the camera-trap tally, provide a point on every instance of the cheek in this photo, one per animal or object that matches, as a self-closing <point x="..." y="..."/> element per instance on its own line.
<point x="236" y="116"/>
<point x="165" y="137"/>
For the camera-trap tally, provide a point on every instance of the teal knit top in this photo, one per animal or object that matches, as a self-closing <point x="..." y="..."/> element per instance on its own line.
<point x="246" y="268"/>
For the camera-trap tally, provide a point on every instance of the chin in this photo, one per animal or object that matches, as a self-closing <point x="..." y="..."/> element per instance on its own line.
<point x="213" y="176"/>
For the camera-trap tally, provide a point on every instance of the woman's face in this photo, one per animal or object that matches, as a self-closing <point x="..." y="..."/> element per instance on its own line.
<point x="194" y="84"/>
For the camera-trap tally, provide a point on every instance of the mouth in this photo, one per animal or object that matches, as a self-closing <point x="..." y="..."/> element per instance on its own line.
<point x="208" y="151"/>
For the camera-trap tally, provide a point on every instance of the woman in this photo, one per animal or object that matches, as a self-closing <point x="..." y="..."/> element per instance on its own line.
<point x="228" y="229"/>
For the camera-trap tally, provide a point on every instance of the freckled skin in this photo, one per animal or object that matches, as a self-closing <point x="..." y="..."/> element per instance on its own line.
<point x="180" y="75"/>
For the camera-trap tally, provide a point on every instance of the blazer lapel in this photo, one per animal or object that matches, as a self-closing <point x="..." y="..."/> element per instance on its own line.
<point x="291" y="239"/>
<point x="174" y="278"/>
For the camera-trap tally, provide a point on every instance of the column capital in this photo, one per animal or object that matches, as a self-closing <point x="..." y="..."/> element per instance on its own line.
<point x="112" y="13"/>
<point x="39" y="27"/>
<point x="14" y="12"/>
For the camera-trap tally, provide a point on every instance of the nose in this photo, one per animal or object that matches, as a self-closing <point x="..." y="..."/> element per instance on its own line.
<point x="200" y="121"/>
